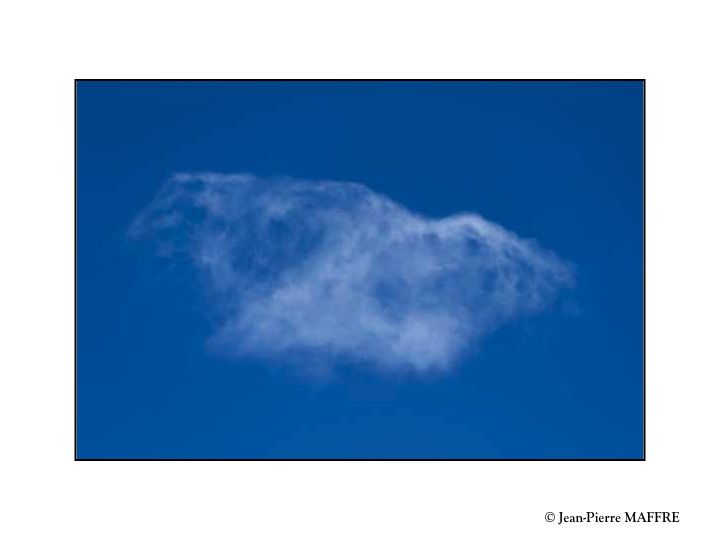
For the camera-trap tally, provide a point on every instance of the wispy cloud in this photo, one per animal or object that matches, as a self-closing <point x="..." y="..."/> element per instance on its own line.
<point x="322" y="271"/>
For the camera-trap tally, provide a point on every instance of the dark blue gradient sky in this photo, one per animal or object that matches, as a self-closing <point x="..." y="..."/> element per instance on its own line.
<point x="560" y="162"/>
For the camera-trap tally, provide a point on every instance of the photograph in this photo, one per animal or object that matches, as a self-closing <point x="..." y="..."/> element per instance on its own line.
<point x="385" y="270"/>
<point x="377" y="269"/>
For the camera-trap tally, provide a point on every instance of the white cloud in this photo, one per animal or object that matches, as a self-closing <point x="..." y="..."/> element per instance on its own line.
<point x="319" y="271"/>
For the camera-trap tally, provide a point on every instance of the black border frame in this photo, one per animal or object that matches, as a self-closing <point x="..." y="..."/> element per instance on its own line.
<point x="75" y="168"/>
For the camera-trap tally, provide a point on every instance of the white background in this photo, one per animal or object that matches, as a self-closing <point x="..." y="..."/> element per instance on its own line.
<point x="45" y="45"/>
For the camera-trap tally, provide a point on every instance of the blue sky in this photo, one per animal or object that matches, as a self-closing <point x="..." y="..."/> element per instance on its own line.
<point x="557" y="162"/>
